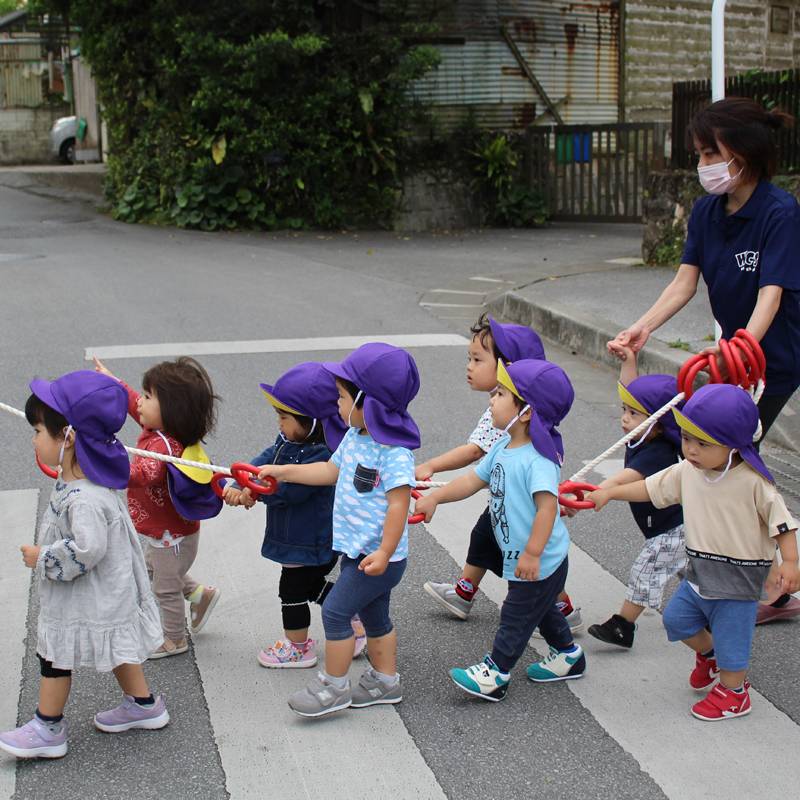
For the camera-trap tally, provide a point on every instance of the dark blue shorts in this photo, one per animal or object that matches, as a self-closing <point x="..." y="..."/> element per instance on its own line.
<point x="484" y="552"/>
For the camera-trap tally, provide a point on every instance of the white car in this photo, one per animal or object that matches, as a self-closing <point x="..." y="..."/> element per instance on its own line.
<point x="62" y="139"/>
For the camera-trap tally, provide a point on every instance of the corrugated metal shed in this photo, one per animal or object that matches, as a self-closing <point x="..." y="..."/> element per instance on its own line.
<point x="572" y="48"/>
<point x="21" y="70"/>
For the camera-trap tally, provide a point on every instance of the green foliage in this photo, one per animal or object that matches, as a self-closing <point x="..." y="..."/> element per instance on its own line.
<point x="678" y="344"/>
<point x="669" y="250"/>
<point x="505" y="200"/>
<point x="7" y="6"/>
<point x="249" y="114"/>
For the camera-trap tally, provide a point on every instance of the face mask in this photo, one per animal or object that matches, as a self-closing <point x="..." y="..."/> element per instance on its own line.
<point x="716" y="179"/>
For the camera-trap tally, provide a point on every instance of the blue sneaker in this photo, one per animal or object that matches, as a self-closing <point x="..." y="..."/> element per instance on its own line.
<point x="483" y="680"/>
<point x="559" y="666"/>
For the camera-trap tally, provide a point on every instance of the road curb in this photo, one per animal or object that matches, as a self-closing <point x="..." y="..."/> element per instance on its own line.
<point x="87" y="180"/>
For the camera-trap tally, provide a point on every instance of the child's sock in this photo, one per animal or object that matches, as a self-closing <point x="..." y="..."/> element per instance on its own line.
<point x="389" y="680"/>
<point x="564" y="606"/>
<point x="145" y="702"/>
<point x="740" y="690"/>
<point x="708" y="653"/>
<point x="339" y="683"/>
<point x="465" y="589"/>
<point x="301" y="645"/>
<point x="53" y="724"/>
<point x="196" y="595"/>
<point x="571" y="649"/>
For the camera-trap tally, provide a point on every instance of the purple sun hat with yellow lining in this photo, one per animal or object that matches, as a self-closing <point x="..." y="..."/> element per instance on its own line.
<point x="546" y="388"/>
<point x="516" y="342"/>
<point x="725" y="415"/>
<point x="649" y="393"/>
<point x="310" y="390"/>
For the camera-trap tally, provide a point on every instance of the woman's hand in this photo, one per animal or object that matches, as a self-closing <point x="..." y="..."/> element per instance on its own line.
<point x="30" y="555"/>
<point x="716" y="351"/>
<point x="633" y="338"/>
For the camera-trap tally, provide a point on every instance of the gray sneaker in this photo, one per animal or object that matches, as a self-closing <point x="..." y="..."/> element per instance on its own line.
<point x="445" y="594"/>
<point x="574" y="620"/>
<point x="321" y="697"/>
<point x="371" y="691"/>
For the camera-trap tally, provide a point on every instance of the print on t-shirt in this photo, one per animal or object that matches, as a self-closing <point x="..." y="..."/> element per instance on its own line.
<point x="497" y="508"/>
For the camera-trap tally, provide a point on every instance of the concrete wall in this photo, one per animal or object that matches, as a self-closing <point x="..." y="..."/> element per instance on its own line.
<point x="430" y="204"/>
<point x="667" y="41"/>
<point x="25" y="133"/>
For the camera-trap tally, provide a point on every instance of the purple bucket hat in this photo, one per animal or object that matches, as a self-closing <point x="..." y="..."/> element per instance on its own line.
<point x="649" y="393"/>
<point x="723" y="414"/>
<point x="389" y="379"/>
<point x="309" y="389"/>
<point x="96" y="406"/>
<point x="546" y="388"/>
<point x="192" y="500"/>
<point x="516" y="342"/>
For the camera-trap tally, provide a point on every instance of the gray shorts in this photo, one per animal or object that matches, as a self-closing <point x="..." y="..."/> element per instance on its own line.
<point x="661" y="558"/>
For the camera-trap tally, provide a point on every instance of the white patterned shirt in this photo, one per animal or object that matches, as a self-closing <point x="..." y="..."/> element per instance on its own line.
<point x="485" y="434"/>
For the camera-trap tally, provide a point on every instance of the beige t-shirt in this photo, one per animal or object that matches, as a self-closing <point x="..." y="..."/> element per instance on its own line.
<point x="729" y="526"/>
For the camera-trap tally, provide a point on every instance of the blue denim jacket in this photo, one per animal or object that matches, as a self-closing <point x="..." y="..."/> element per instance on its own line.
<point x="299" y="517"/>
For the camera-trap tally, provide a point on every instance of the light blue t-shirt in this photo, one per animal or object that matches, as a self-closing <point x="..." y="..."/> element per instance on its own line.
<point x="513" y="477"/>
<point x="358" y="516"/>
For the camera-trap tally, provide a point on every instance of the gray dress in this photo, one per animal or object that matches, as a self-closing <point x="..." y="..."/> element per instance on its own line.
<point x="97" y="607"/>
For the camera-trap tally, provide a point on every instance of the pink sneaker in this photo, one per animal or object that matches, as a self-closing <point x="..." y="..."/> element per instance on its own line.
<point x="130" y="715"/>
<point x="361" y="636"/>
<point x="35" y="740"/>
<point x="287" y="655"/>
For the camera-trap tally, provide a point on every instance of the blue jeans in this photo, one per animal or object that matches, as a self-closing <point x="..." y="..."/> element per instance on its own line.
<point x="529" y="604"/>
<point x="355" y="592"/>
<point x="732" y="624"/>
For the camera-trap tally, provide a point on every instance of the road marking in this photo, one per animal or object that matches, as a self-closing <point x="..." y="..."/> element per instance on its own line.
<point x="642" y="698"/>
<point x="488" y="280"/>
<point x="629" y="261"/>
<point x="454" y="291"/>
<point x="273" y="345"/>
<point x="260" y="739"/>
<point x="18" y="511"/>
<point x="448" y="305"/>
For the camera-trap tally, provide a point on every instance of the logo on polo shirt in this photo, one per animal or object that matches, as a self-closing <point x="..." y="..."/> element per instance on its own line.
<point x="748" y="261"/>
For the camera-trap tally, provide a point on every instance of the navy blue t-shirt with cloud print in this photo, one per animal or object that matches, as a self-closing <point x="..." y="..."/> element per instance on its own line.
<point x="649" y="458"/>
<point x="739" y="253"/>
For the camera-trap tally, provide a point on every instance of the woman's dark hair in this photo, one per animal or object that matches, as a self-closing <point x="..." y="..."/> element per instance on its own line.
<point x="37" y="412"/>
<point x="743" y="128"/>
<point x="186" y="396"/>
<point x="307" y="423"/>
<point x="353" y="391"/>
<point x="482" y="331"/>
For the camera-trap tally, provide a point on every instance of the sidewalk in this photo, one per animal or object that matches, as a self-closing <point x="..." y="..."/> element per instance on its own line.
<point x="80" y="181"/>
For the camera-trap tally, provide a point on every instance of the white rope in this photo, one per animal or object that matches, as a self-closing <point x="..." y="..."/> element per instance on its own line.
<point x="12" y="410"/>
<point x="431" y="484"/>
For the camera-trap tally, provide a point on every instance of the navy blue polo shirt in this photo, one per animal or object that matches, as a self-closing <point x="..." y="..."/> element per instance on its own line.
<point x="737" y="254"/>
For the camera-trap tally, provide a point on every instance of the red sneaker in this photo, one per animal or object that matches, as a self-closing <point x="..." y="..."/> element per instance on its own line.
<point x="704" y="674"/>
<point x="722" y="703"/>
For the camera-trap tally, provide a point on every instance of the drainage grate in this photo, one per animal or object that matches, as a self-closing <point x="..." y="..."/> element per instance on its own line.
<point x="17" y="256"/>
<point x="785" y="468"/>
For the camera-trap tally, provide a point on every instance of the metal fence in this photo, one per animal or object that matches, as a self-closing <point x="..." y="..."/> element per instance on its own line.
<point x="594" y="173"/>
<point x="769" y="89"/>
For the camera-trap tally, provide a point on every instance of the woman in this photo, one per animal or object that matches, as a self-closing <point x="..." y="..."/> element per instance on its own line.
<point x="744" y="238"/>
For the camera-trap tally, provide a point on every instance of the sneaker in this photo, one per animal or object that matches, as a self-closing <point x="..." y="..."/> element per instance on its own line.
<point x="767" y="613"/>
<point x="200" y="612"/>
<point x="360" y="634"/>
<point x="372" y="691"/>
<point x="721" y="703"/>
<point x="35" y="740"/>
<point x="445" y="594"/>
<point x="287" y="655"/>
<point x="321" y="697"/>
<point x="705" y="673"/>
<point x="558" y="666"/>
<point x="482" y="680"/>
<point x="131" y="715"/>
<point x="574" y="620"/>
<point x="616" y="631"/>
<point x="171" y="647"/>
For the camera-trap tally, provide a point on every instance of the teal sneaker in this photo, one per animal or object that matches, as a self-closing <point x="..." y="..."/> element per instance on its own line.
<point x="483" y="680"/>
<point x="559" y="666"/>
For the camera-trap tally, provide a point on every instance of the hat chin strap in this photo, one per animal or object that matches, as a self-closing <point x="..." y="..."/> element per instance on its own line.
<point x="527" y="408"/>
<point x="641" y="439"/>
<point x="358" y="397"/>
<point x="724" y="472"/>
<point x="63" y="445"/>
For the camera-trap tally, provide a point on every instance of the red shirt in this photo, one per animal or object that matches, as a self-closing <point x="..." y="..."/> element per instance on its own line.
<point x="149" y="502"/>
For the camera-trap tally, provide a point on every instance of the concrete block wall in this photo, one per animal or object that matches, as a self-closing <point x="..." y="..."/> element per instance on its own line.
<point x="430" y="204"/>
<point x="25" y="134"/>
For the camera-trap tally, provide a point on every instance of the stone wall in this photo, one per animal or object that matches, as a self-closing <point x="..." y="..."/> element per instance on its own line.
<point x="25" y="134"/>
<point x="428" y="203"/>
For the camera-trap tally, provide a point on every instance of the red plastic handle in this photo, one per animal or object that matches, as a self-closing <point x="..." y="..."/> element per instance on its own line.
<point x="755" y="346"/>
<point x="688" y="385"/>
<point x="568" y="487"/>
<point x="49" y="471"/>
<point x="716" y="375"/>
<point x="749" y="359"/>
<point x="241" y="473"/>
<point x="215" y="483"/>
<point x="414" y="519"/>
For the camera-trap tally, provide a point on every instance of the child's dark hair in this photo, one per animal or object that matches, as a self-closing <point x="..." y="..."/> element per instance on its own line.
<point x="37" y="412"/>
<point x="353" y="391"/>
<point x="482" y="331"/>
<point x="317" y="436"/>
<point x="186" y="397"/>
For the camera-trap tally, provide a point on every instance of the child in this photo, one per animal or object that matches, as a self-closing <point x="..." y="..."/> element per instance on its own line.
<point x="96" y="606"/>
<point x="299" y="518"/>
<point x="373" y="470"/>
<point x="491" y="341"/>
<point x="176" y="412"/>
<point x="523" y="473"/>
<point x="655" y="449"/>
<point x="734" y="518"/>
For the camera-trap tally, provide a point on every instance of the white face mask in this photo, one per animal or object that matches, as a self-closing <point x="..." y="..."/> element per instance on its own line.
<point x="716" y="179"/>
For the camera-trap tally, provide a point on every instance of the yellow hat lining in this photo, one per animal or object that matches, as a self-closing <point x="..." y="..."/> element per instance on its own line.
<point x="684" y="423"/>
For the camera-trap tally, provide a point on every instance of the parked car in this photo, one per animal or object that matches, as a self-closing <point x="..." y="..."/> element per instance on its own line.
<point x="62" y="139"/>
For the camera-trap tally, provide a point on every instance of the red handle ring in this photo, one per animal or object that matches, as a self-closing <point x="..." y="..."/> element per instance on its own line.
<point x="568" y="487"/>
<point x="751" y="364"/>
<point x="741" y="378"/>
<point x="414" y="519"/>
<point x="688" y="385"/>
<point x="755" y="346"/>
<point x="716" y="376"/>
<point x="241" y="474"/>
<point x="49" y="471"/>
<point x="215" y="483"/>
<point x="684" y="371"/>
